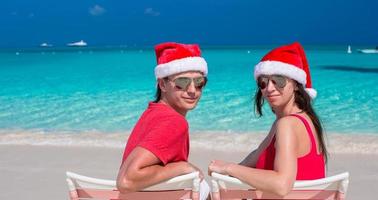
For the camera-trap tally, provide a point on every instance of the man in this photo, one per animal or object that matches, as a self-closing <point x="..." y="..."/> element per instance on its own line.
<point x="158" y="146"/>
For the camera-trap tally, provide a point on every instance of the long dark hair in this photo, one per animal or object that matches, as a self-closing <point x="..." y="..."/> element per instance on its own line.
<point x="304" y="102"/>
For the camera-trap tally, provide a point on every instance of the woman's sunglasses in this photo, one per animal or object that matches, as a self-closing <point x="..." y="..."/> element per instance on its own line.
<point x="278" y="81"/>
<point x="182" y="83"/>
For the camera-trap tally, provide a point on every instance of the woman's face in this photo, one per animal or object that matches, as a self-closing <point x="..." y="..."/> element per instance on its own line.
<point x="276" y="89"/>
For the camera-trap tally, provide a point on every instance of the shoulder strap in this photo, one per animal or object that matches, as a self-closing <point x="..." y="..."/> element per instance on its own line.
<point x="309" y="131"/>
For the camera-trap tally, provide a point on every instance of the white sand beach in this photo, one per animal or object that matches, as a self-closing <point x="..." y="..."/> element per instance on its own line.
<point x="38" y="172"/>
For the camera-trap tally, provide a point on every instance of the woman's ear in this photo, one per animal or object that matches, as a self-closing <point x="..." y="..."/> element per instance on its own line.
<point x="162" y="85"/>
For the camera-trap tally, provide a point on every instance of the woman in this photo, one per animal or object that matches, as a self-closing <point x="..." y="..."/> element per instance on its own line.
<point x="294" y="149"/>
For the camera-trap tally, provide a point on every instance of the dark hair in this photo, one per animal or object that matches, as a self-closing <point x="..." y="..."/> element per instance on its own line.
<point x="304" y="102"/>
<point x="157" y="94"/>
<point x="158" y="91"/>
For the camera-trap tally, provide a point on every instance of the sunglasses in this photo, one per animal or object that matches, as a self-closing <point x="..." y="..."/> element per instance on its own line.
<point x="278" y="81"/>
<point x="182" y="83"/>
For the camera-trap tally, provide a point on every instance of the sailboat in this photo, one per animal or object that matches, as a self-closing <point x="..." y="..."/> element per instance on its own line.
<point x="45" y="45"/>
<point x="349" y="49"/>
<point x="81" y="43"/>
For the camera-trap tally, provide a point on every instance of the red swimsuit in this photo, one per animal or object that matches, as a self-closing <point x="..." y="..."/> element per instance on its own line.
<point x="309" y="167"/>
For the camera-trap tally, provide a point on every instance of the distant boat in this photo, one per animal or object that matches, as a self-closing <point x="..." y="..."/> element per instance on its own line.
<point x="45" y="45"/>
<point x="349" y="49"/>
<point x="81" y="43"/>
<point x="368" y="50"/>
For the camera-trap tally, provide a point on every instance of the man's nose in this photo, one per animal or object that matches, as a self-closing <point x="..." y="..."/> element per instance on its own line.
<point x="191" y="87"/>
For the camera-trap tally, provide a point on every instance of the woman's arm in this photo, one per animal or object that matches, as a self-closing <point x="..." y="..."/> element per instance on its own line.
<point x="280" y="180"/>
<point x="143" y="169"/>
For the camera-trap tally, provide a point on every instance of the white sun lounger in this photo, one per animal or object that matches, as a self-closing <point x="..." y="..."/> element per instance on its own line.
<point x="180" y="187"/>
<point x="333" y="187"/>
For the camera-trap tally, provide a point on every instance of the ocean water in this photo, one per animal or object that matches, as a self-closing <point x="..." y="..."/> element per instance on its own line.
<point x="104" y="90"/>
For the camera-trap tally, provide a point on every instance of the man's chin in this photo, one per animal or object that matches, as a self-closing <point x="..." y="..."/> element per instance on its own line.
<point x="190" y="106"/>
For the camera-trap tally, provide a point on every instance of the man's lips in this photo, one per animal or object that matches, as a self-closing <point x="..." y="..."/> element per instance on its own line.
<point x="190" y="99"/>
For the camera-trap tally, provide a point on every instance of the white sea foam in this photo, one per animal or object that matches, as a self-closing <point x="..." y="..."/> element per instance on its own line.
<point x="218" y="141"/>
<point x="41" y="138"/>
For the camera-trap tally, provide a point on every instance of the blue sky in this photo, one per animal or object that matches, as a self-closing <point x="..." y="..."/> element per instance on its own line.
<point x="27" y="23"/>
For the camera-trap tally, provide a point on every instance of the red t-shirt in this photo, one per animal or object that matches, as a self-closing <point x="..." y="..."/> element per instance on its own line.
<point x="162" y="131"/>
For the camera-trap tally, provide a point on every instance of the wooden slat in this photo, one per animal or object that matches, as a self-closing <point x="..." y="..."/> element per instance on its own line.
<point x="145" y="195"/>
<point x="295" y="194"/>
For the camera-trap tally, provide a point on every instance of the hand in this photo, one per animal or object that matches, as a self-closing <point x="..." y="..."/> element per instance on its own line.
<point x="193" y="168"/>
<point x="218" y="166"/>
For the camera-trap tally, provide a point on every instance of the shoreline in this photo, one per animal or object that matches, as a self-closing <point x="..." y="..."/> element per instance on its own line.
<point x="39" y="171"/>
<point x="212" y="141"/>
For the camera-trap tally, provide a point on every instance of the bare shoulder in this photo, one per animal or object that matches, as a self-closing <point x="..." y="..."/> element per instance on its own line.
<point x="287" y="122"/>
<point x="287" y="126"/>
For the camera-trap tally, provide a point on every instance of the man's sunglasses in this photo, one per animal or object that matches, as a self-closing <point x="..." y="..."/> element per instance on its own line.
<point x="182" y="83"/>
<point x="278" y="81"/>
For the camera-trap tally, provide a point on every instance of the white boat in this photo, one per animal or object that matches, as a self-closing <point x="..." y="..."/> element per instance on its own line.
<point x="45" y="45"/>
<point x="368" y="50"/>
<point x="81" y="43"/>
<point x="349" y="49"/>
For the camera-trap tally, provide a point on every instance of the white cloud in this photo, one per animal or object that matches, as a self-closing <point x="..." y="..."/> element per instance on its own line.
<point x="97" y="10"/>
<point x="150" y="11"/>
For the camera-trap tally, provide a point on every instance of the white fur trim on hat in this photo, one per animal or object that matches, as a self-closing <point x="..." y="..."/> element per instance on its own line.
<point x="181" y="65"/>
<point x="312" y="92"/>
<point x="280" y="68"/>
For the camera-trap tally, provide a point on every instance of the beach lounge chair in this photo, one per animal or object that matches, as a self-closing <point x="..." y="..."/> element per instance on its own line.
<point x="180" y="187"/>
<point x="333" y="187"/>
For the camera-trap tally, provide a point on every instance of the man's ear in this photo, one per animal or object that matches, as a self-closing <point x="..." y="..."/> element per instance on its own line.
<point x="162" y="85"/>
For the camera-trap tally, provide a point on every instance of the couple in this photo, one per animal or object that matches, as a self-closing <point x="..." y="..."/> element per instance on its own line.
<point x="294" y="149"/>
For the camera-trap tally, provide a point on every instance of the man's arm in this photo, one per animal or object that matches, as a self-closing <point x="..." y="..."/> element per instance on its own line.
<point x="142" y="169"/>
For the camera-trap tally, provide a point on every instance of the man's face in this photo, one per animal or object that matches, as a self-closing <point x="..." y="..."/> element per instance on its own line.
<point x="182" y="91"/>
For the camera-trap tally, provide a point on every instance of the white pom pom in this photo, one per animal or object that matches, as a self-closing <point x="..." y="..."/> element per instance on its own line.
<point x="312" y="92"/>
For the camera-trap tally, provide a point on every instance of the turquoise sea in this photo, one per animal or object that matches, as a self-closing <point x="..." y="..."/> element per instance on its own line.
<point x="104" y="90"/>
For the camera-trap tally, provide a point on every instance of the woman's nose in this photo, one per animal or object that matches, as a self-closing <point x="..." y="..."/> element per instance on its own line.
<point x="270" y="86"/>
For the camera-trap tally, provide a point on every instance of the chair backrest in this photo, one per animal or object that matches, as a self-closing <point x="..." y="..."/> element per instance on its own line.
<point x="333" y="187"/>
<point x="180" y="187"/>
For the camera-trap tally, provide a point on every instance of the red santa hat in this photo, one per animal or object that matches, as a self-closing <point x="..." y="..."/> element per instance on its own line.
<point x="290" y="61"/>
<point x="173" y="58"/>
